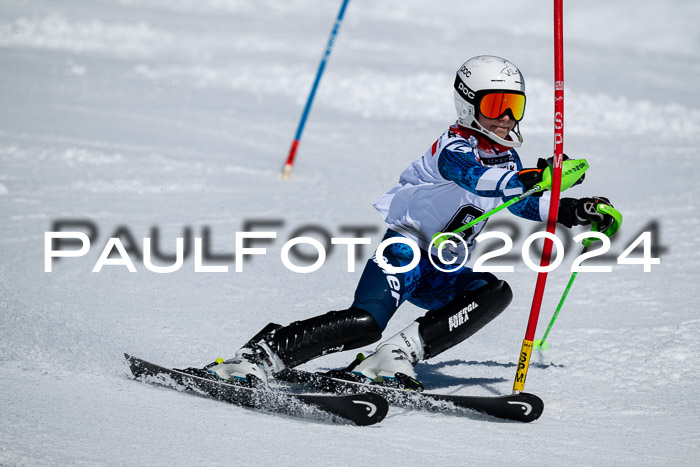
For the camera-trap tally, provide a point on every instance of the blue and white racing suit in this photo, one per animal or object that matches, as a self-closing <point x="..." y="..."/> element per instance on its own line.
<point x="460" y="177"/>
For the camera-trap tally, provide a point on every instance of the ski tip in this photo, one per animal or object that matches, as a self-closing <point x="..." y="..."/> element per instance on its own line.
<point x="131" y="363"/>
<point x="130" y="360"/>
<point x="135" y="364"/>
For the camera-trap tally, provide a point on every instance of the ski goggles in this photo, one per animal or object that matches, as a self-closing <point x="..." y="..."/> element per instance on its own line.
<point x="495" y="104"/>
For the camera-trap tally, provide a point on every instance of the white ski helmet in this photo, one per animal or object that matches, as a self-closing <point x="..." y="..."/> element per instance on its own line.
<point x="484" y="75"/>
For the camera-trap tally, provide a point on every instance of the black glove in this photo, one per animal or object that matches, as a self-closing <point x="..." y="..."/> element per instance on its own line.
<point x="583" y="211"/>
<point x="531" y="177"/>
<point x="544" y="163"/>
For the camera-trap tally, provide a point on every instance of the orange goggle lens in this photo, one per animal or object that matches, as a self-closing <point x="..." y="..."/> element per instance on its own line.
<point x="495" y="104"/>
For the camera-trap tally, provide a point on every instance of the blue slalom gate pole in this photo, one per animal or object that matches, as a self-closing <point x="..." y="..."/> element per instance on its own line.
<point x="286" y="171"/>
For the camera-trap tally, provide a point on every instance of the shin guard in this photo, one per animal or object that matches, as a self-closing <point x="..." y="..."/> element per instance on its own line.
<point x="334" y="331"/>
<point x="445" y="327"/>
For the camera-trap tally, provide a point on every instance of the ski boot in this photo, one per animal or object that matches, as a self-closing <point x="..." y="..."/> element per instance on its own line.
<point x="252" y="365"/>
<point x="276" y="347"/>
<point x="390" y="365"/>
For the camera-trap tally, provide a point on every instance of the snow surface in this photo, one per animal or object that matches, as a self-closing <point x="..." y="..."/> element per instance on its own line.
<point x="178" y="114"/>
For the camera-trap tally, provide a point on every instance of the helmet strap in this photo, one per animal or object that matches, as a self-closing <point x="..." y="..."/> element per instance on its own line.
<point x="516" y="130"/>
<point x="497" y="139"/>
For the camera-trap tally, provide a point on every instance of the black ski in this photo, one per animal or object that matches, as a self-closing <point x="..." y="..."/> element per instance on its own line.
<point x="522" y="407"/>
<point x="360" y="409"/>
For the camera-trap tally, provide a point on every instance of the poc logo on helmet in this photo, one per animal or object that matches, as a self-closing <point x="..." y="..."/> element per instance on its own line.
<point x="465" y="90"/>
<point x="466" y="71"/>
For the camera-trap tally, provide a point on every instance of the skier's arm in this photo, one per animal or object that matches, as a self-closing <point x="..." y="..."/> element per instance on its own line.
<point x="536" y="206"/>
<point x="532" y="207"/>
<point x="457" y="163"/>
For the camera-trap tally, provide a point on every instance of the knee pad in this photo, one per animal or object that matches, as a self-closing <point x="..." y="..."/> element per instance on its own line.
<point x="334" y="331"/>
<point x="445" y="327"/>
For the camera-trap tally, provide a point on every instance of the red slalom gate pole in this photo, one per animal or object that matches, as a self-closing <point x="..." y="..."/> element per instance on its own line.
<point x="526" y="349"/>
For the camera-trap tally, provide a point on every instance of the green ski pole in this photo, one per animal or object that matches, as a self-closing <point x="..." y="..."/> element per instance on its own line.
<point x="541" y="344"/>
<point x="572" y="171"/>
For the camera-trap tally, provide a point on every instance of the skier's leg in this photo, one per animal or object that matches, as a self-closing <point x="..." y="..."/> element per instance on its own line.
<point x="278" y="347"/>
<point x="473" y="300"/>
<point x="377" y="297"/>
<point x="381" y="292"/>
<point x="446" y="327"/>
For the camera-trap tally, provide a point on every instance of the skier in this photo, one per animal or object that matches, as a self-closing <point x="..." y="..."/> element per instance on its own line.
<point x="467" y="171"/>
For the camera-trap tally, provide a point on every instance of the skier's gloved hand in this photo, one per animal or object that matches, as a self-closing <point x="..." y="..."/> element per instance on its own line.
<point x="544" y="163"/>
<point x="583" y="211"/>
<point x="531" y="177"/>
